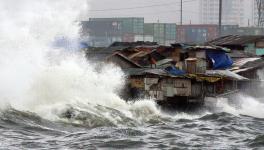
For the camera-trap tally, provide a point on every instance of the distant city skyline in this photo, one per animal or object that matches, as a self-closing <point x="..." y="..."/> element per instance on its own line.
<point x="233" y="12"/>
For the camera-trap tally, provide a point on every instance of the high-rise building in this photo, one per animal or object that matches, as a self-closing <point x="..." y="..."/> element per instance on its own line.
<point x="258" y="12"/>
<point x="233" y="12"/>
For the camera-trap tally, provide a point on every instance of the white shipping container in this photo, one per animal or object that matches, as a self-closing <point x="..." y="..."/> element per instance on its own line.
<point x="148" y="38"/>
<point x="116" y="39"/>
<point x="139" y="38"/>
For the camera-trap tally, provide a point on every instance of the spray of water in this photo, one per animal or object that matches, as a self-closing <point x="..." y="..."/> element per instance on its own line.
<point x="241" y="104"/>
<point x="26" y="31"/>
<point x="245" y="105"/>
<point x="58" y="85"/>
<point x="51" y="82"/>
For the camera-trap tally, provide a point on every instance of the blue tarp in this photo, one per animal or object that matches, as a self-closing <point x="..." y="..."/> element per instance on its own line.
<point x="174" y="71"/>
<point x="219" y="59"/>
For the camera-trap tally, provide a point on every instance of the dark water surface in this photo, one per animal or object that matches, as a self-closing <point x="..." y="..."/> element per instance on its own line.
<point x="23" y="130"/>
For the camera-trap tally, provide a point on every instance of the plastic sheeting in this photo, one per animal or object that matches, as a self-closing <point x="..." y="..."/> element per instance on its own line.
<point x="174" y="71"/>
<point x="219" y="59"/>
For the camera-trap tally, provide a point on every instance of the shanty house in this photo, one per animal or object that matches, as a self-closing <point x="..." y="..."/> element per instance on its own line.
<point x="163" y="86"/>
<point x="250" y="44"/>
<point x="198" y="59"/>
<point x="181" y="73"/>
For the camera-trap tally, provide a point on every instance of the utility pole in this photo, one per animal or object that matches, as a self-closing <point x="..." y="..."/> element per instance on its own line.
<point x="220" y="17"/>
<point x="181" y="12"/>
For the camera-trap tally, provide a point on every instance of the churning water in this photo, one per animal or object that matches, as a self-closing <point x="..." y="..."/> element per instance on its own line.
<point x="52" y="98"/>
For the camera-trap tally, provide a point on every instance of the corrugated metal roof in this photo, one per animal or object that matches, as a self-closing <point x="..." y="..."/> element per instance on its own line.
<point x="247" y="64"/>
<point x="101" y="54"/>
<point x="107" y="50"/>
<point x="134" y="44"/>
<point x="138" y="54"/>
<point x="236" y="54"/>
<point x="236" y="40"/>
<point x="125" y="59"/>
<point x="243" y="61"/>
<point x="188" y="47"/>
<point x="144" y="71"/>
<point x="242" y="70"/>
<point x="208" y="47"/>
<point x="226" y="73"/>
<point x="164" y="61"/>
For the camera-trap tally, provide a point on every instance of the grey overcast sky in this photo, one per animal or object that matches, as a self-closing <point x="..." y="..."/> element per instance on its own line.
<point x="162" y="10"/>
<point x="167" y="11"/>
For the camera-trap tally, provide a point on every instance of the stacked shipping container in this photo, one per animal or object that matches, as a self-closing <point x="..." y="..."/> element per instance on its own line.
<point x="196" y="33"/>
<point x="108" y="30"/>
<point x="104" y="31"/>
<point x="162" y="33"/>
<point x="236" y="30"/>
<point x="170" y="33"/>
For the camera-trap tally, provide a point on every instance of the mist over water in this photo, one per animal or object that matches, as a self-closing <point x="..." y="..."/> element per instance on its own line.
<point x="27" y="30"/>
<point x="50" y="93"/>
<point x="45" y="79"/>
<point x="241" y="104"/>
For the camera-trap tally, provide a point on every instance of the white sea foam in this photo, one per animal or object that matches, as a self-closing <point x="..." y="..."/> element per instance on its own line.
<point x="244" y="104"/>
<point x="240" y="105"/>
<point x="37" y="77"/>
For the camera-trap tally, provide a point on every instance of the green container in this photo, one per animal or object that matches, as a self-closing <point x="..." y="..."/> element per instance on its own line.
<point x="170" y="31"/>
<point x="159" y="30"/>
<point x="127" y="25"/>
<point x="138" y="26"/>
<point x="132" y="25"/>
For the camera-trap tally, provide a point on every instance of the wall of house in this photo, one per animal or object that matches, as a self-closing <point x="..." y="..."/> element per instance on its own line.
<point x="200" y="65"/>
<point x="177" y="87"/>
<point x="197" y="89"/>
<point x="255" y="48"/>
<point x="260" y="48"/>
<point x="259" y="51"/>
<point x="176" y="55"/>
<point x="250" y="48"/>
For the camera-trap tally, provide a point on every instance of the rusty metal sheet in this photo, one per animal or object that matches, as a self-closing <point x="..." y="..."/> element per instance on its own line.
<point x="137" y="83"/>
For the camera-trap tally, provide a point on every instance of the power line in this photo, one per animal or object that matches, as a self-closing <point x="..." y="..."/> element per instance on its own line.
<point x="160" y="12"/>
<point x="139" y="7"/>
<point x="165" y="12"/>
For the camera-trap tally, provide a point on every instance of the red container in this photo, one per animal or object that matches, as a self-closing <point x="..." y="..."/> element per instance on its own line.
<point x="196" y="33"/>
